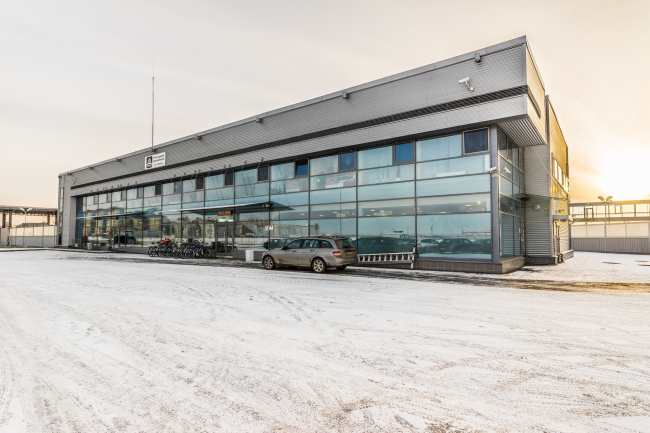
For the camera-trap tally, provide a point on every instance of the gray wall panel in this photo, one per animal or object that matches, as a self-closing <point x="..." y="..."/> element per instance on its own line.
<point x="488" y="112"/>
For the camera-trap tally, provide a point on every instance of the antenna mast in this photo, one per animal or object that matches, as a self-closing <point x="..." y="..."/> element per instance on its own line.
<point x="152" y="98"/>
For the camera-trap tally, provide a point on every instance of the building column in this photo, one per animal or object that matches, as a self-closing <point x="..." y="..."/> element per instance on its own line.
<point x="4" y="220"/>
<point x="494" y="194"/>
<point x="10" y="214"/>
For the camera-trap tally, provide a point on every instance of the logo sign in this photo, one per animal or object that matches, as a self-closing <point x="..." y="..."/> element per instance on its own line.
<point x="268" y="228"/>
<point x="224" y="213"/>
<point x="155" y="160"/>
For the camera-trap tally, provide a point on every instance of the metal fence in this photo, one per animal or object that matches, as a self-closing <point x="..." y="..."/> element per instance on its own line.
<point x="614" y="237"/>
<point x="33" y="236"/>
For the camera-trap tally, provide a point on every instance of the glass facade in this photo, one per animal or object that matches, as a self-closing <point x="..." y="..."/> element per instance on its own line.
<point x="511" y="190"/>
<point x="431" y="194"/>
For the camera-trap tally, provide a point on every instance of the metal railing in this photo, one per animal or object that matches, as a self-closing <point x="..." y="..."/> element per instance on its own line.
<point x="404" y="257"/>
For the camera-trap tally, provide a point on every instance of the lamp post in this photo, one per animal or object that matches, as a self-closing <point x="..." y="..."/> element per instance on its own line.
<point x="25" y="223"/>
<point x="606" y="200"/>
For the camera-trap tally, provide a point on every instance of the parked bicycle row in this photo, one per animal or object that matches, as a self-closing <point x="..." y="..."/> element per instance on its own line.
<point x="192" y="249"/>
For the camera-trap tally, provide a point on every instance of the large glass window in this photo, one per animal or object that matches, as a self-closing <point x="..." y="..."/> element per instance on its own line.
<point x="438" y="148"/>
<point x="466" y="236"/>
<point x="192" y="226"/>
<point x="454" y="185"/>
<point x="476" y="141"/>
<point x="151" y="232"/>
<point x="333" y="195"/>
<point x="324" y="165"/>
<point x="454" y="204"/>
<point x="283" y="171"/>
<point x="387" y="208"/>
<point x="333" y="210"/>
<point x="386" y="174"/>
<point x="214" y="181"/>
<point x="251" y="230"/>
<point x="302" y="168"/>
<point x="340" y="180"/>
<point x="392" y="190"/>
<point x="290" y="185"/>
<point x="378" y="157"/>
<point x="171" y="226"/>
<point x="347" y="161"/>
<point x="346" y="227"/>
<point x="386" y="235"/>
<point x="290" y="213"/>
<point x="290" y="199"/>
<point x="453" y="167"/>
<point x="403" y="153"/>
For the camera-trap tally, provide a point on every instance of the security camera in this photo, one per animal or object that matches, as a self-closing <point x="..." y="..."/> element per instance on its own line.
<point x="464" y="80"/>
<point x="507" y="170"/>
<point x="491" y="170"/>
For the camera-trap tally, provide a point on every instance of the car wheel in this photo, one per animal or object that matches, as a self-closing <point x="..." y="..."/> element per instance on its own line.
<point x="318" y="265"/>
<point x="268" y="262"/>
<point x="341" y="268"/>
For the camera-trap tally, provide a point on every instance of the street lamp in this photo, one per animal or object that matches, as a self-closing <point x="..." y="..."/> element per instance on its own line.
<point x="606" y="200"/>
<point x="25" y="224"/>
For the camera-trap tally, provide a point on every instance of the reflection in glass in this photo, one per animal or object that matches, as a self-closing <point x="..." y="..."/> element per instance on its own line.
<point x="341" y="180"/>
<point x="403" y="153"/>
<point x="284" y="230"/>
<point x="333" y="195"/>
<point x="455" y="236"/>
<point x="250" y="230"/>
<point x="454" y="185"/>
<point x="384" y="208"/>
<point x="192" y="226"/>
<point x="334" y="210"/>
<point x="283" y="171"/>
<point x="453" y="167"/>
<point x="347" y="161"/>
<point x="346" y="227"/>
<point x="151" y="232"/>
<point x="386" y="174"/>
<point x="454" y="204"/>
<point x="438" y="148"/>
<point x="290" y="213"/>
<point x="290" y="199"/>
<point x="379" y="157"/>
<point x="290" y="185"/>
<point x="324" y="165"/>
<point x="171" y="226"/>
<point x="386" y="235"/>
<point x="391" y="190"/>
<point x="476" y="141"/>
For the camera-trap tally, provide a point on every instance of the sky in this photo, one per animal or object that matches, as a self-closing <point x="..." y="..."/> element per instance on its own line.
<point x="75" y="76"/>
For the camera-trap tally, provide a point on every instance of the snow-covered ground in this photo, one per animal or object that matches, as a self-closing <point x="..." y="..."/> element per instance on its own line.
<point x="108" y="342"/>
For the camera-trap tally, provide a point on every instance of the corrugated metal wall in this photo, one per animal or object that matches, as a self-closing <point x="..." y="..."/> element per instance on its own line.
<point x="612" y="245"/>
<point x="537" y="111"/>
<point x="558" y="145"/>
<point x="564" y="236"/>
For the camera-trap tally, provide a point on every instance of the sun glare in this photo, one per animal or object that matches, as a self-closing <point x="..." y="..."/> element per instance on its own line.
<point x="624" y="178"/>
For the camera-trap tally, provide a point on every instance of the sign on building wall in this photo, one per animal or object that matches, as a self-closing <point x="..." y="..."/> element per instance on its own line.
<point x="153" y="161"/>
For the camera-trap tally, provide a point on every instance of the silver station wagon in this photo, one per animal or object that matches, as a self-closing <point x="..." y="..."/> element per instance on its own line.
<point x="315" y="252"/>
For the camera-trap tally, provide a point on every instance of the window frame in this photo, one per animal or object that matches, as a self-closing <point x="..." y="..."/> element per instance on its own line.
<point x="229" y="175"/>
<point x="354" y="165"/>
<point x="487" y="133"/>
<point x="268" y="173"/>
<point x="295" y="168"/>
<point x="412" y="161"/>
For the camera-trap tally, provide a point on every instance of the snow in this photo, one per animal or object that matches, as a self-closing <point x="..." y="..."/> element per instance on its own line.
<point x="118" y="342"/>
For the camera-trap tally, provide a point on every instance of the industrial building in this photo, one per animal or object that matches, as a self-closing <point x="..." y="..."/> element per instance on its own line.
<point x="611" y="226"/>
<point x="461" y="163"/>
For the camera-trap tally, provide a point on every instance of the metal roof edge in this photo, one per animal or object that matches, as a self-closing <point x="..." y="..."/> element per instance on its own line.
<point x="378" y="82"/>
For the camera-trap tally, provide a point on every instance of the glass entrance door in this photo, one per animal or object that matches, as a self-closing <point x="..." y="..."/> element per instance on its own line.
<point x="223" y="238"/>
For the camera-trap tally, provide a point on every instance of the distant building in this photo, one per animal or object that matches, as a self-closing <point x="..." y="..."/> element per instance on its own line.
<point x="462" y="160"/>
<point x="616" y="226"/>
